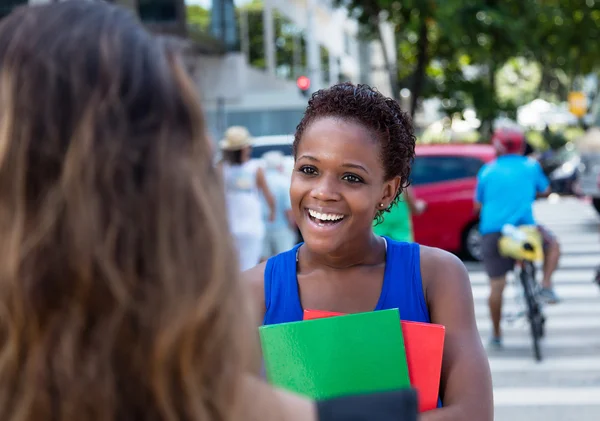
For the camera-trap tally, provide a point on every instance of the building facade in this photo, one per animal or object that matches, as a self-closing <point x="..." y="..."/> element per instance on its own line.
<point x="246" y="55"/>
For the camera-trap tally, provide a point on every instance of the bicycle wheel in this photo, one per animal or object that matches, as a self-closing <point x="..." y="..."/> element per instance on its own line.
<point x="536" y="334"/>
<point x="534" y="314"/>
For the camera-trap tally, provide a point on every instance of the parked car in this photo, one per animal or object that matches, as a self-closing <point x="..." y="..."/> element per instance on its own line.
<point x="281" y="143"/>
<point x="445" y="177"/>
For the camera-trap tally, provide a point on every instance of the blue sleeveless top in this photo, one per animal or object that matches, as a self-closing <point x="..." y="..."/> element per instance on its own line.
<point x="402" y="286"/>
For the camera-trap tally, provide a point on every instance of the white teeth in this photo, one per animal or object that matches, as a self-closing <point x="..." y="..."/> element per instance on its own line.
<point x="325" y="216"/>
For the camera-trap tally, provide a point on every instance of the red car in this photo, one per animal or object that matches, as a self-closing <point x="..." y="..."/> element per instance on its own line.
<point x="445" y="176"/>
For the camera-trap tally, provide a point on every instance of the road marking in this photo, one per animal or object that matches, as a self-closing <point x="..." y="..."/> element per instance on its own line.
<point x="560" y="277"/>
<point x="565" y="292"/>
<point x="504" y="365"/>
<point x="554" y="342"/>
<point x="561" y="323"/>
<point x="565" y="309"/>
<point x="546" y="396"/>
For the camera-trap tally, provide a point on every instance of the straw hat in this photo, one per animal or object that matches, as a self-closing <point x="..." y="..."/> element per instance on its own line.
<point x="236" y="138"/>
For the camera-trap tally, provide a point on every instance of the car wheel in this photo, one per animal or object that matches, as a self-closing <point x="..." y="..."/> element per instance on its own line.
<point x="472" y="242"/>
<point x="596" y="203"/>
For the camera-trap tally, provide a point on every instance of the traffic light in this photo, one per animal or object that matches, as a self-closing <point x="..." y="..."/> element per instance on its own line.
<point x="303" y="83"/>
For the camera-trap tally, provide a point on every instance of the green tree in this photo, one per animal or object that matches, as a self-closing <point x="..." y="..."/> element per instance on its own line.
<point x="370" y="15"/>
<point x="477" y="38"/>
<point x="561" y="39"/>
<point x="198" y="17"/>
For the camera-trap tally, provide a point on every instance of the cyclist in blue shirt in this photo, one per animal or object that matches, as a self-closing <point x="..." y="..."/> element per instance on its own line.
<point x="506" y="190"/>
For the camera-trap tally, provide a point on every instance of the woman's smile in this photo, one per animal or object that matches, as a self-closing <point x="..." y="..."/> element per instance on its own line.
<point x="324" y="221"/>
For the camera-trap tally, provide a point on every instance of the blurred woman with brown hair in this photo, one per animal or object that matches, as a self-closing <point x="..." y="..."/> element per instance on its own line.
<point x="119" y="289"/>
<point x="119" y="293"/>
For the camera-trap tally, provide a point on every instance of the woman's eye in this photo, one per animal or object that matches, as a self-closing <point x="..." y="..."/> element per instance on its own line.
<point x="308" y="170"/>
<point x="351" y="178"/>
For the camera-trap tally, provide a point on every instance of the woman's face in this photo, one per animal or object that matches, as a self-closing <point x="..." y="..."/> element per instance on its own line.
<point x="338" y="184"/>
<point x="246" y="153"/>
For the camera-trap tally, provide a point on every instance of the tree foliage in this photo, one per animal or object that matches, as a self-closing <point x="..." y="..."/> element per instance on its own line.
<point x="492" y="55"/>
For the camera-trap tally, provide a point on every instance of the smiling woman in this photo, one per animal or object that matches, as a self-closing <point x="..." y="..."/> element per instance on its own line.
<point x="335" y="197"/>
<point x="353" y="152"/>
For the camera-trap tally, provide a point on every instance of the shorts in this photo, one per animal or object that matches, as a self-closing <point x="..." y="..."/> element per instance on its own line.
<point x="497" y="265"/>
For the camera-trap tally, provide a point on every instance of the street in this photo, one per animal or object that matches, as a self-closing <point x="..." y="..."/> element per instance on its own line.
<point x="566" y="385"/>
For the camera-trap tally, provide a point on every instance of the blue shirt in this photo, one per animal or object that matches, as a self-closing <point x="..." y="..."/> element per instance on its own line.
<point x="506" y="189"/>
<point x="279" y="186"/>
<point x="402" y="286"/>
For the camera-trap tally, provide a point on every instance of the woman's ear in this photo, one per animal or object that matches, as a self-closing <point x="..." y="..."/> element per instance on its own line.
<point x="390" y="189"/>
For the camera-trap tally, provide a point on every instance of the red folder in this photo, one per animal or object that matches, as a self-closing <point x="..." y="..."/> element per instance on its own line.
<point x="424" y="343"/>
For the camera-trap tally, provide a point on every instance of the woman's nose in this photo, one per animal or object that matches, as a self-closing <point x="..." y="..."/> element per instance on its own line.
<point x="326" y="189"/>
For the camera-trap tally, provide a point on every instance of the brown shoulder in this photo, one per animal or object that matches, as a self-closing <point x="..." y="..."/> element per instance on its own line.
<point x="254" y="280"/>
<point x="439" y="267"/>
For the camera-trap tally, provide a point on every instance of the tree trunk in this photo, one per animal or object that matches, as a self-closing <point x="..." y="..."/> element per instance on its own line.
<point x="487" y="122"/>
<point x="422" y="59"/>
<point x="389" y="66"/>
<point x="544" y="80"/>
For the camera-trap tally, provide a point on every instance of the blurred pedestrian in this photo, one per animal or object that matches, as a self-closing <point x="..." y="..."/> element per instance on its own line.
<point x="244" y="181"/>
<point x="281" y="232"/>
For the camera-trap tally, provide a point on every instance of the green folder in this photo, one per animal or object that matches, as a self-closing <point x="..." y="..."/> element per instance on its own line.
<point x="337" y="356"/>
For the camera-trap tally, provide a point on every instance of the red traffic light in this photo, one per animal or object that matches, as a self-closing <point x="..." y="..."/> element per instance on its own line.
<point x="303" y="83"/>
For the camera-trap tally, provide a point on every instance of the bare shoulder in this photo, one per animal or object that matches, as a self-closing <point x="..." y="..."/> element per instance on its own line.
<point x="254" y="280"/>
<point x="255" y="274"/>
<point x="442" y="271"/>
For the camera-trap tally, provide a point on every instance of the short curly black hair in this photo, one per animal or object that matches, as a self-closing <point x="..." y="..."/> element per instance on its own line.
<point x="379" y="114"/>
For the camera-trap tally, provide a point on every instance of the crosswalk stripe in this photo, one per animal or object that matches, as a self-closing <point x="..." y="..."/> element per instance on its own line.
<point x="565" y="309"/>
<point x="563" y="291"/>
<point x="546" y="396"/>
<point x="550" y="343"/>
<point x="578" y="239"/>
<point x="560" y="277"/>
<point x="590" y="260"/>
<point x="567" y="265"/>
<point x="504" y="365"/>
<point x="557" y="323"/>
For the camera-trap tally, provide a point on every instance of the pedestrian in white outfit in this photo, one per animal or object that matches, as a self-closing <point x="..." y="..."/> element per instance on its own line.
<point x="243" y="180"/>
<point x="281" y="233"/>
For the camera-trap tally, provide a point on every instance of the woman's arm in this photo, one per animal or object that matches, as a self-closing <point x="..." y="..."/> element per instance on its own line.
<point x="261" y="182"/>
<point x="466" y="381"/>
<point x="253" y="279"/>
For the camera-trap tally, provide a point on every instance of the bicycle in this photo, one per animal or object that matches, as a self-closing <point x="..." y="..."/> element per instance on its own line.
<point x="524" y="244"/>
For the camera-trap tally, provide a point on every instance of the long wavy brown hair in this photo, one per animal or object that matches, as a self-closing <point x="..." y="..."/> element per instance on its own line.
<point x="119" y="295"/>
